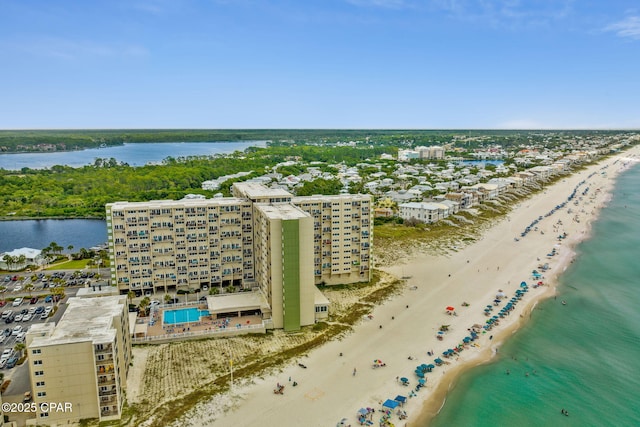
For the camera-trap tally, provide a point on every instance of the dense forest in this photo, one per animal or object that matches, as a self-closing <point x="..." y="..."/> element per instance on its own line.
<point x="66" y="140"/>
<point x="63" y="191"/>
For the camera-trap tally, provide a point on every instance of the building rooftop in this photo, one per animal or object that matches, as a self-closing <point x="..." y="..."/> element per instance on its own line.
<point x="219" y="201"/>
<point x="253" y="190"/>
<point x="85" y="319"/>
<point x="281" y="211"/>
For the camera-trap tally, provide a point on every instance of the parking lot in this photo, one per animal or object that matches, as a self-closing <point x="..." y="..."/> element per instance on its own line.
<point x="28" y="298"/>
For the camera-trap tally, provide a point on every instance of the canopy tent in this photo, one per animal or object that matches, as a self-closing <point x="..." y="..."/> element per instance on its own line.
<point x="400" y="399"/>
<point x="391" y="404"/>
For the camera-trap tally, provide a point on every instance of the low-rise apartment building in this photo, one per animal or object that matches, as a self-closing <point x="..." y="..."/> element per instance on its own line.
<point x="81" y="362"/>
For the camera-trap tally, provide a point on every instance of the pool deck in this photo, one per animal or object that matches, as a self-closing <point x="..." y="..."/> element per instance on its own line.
<point x="206" y="324"/>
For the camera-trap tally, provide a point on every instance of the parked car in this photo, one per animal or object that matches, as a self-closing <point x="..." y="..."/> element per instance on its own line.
<point x="12" y="362"/>
<point x="27" y="317"/>
<point x="27" y="396"/>
<point x="9" y="319"/>
<point x="7" y="353"/>
<point x="7" y="314"/>
<point x="21" y="336"/>
<point x="44" y="316"/>
<point x="19" y="317"/>
<point x="39" y="310"/>
<point x="32" y="310"/>
<point x="16" y="330"/>
<point x="49" y="298"/>
<point x="17" y="302"/>
<point x="2" y="338"/>
<point x="17" y="288"/>
<point x="3" y="363"/>
<point x="33" y="300"/>
<point x="6" y="332"/>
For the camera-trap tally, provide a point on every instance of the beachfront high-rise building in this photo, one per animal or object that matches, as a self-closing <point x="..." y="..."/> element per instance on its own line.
<point x="342" y="236"/>
<point x="191" y="244"/>
<point x="82" y="361"/>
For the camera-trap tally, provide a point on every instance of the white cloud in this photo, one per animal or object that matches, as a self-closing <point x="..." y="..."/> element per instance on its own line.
<point x="506" y="13"/>
<point x="72" y="49"/>
<point x="628" y="27"/>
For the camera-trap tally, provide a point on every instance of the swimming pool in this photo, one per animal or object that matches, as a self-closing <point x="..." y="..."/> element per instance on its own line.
<point x="183" y="315"/>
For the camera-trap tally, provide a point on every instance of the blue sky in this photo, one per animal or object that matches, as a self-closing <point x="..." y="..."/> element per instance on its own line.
<point x="395" y="64"/>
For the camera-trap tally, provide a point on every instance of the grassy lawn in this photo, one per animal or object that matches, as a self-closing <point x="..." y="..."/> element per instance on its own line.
<point x="69" y="265"/>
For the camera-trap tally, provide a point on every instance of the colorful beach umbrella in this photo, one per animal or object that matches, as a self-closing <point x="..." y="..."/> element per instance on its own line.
<point x="449" y="308"/>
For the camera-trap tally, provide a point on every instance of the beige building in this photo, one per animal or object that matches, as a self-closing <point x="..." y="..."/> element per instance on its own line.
<point x="194" y="244"/>
<point x="82" y="362"/>
<point x="343" y="236"/>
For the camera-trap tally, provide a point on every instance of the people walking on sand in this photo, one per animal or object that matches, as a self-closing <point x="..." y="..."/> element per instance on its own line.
<point x="354" y="372"/>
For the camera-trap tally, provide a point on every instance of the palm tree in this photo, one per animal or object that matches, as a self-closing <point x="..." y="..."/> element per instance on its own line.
<point x="18" y="348"/>
<point x="22" y="259"/>
<point x="8" y="259"/>
<point x="29" y="288"/>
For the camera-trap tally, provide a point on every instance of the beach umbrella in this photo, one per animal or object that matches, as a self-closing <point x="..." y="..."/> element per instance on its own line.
<point x="449" y="308"/>
<point x="524" y="284"/>
<point x="404" y="379"/>
<point x="422" y="381"/>
<point x="496" y="300"/>
<point x="363" y="411"/>
<point x="487" y="310"/>
<point x="466" y="339"/>
<point x="500" y="294"/>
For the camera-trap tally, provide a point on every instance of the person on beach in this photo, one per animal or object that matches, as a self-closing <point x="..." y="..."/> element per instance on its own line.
<point x="354" y="372"/>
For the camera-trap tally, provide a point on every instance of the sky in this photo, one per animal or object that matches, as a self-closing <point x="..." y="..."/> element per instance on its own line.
<point x="321" y="64"/>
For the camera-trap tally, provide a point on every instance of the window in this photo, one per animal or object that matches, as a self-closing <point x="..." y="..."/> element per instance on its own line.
<point x="44" y="415"/>
<point x="42" y="393"/>
<point x="36" y="351"/>
<point x="39" y="373"/>
<point x="40" y="384"/>
<point x="37" y="362"/>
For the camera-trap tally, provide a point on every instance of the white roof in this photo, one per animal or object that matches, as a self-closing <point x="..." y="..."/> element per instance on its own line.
<point x="29" y="253"/>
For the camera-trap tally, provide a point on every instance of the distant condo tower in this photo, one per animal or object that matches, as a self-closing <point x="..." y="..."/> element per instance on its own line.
<point x="262" y="239"/>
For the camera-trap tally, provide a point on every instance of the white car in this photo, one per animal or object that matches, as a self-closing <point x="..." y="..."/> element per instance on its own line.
<point x="32" y="310"/>
<point x="18" y="317"/>
<point x="21" y="336"/>
<point x="6" y="354"/>
<point x="16" y="330"/>
<point x="26" y="317"/>
<point x="47" y="310"/>
<point x="2" y="338"/>
<point x="6" y="314"/>
<point x="17" y="302"/>
<point x="17" y="288"/>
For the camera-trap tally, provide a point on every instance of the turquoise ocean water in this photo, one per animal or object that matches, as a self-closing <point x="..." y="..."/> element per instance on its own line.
<point x="584" y="356"/>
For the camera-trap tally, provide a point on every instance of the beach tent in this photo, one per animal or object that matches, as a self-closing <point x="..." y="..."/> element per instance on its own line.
<point x="400" y="399"/>
<point x="391" y="404"/>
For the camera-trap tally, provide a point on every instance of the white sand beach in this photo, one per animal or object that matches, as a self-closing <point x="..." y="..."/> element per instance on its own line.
<point x="406" y="325"/>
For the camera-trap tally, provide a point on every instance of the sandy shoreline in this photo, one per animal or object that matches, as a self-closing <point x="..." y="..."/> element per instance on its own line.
<point x="406" y="326"/>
